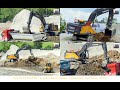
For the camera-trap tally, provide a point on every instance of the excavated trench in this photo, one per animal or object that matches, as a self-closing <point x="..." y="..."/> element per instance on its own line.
<point x="94" y="65"/>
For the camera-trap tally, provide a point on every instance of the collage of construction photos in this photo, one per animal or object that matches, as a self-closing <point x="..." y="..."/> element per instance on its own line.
<point x="59" y="41"/>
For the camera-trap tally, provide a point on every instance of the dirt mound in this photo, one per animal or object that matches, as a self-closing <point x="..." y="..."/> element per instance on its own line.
<point x="20" y="63"/>
<point x="112" y="54"/>
<point x="94" y="65"/>
<point x="51" y="58"/>
<point x="36" y="64"/>
<point x="92" y="68"/>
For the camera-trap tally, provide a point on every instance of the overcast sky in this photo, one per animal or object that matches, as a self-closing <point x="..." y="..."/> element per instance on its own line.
<point x="69" y="14"/>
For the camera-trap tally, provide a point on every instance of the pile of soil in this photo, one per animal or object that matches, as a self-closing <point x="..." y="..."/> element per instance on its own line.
<point x="94" y="65"/>
<point x="92" y="68"/>
<point x="37" y="64"/>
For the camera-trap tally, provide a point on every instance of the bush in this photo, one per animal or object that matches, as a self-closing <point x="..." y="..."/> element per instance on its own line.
<point x="4" y="46"/>
<point x="47" y="45"/>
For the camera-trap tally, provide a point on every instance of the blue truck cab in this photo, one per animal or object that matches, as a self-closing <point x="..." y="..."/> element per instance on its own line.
<point x="65" y="67"/>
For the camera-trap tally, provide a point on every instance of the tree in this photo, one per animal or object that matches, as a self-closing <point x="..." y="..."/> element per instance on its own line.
<point x="62" y="24"/>
<point x="9" y="13"/>
<point x="115" y="20"/>
<point x="104" y="20"/>
<point x="96" y="20"/>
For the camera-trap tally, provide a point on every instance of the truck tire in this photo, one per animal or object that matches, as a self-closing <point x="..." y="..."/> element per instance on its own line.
<point x="74" y="38"/>
<point x="73" y="72"/>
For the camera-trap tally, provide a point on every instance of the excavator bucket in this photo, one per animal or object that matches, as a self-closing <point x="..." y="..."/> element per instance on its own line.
<point x="114" y="69"/>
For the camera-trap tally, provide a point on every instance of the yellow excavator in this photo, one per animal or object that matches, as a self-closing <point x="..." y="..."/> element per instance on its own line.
<point x="86" y="31"/>
<point x="15" y="57"/>
<point x="111" y="68"/>
<point x="83" y="54"/>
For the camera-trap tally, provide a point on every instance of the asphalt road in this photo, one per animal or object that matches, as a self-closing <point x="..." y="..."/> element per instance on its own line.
<point x="65" y="37"/>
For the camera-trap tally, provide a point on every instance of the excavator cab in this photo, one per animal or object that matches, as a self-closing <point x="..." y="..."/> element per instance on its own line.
<point x="80" y="55"/>
<point x="71" y="55"/>
<point x="12" y="58"/>
<point x="68" y="67"/>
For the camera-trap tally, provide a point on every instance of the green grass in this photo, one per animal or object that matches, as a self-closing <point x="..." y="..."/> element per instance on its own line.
<point x="4" y="46"/>
<point x="47" y="45"/>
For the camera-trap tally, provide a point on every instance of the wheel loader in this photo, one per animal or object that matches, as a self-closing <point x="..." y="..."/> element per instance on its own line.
<point x="87" y="32"/>
<point x="48" y="68"/>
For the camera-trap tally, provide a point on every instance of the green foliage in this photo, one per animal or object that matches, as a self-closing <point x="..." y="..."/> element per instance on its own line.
<point x="96" y="20"/>
<point x="104" y="20"/>
<point x="62" y="24"/>
<point x="9" y="13"/>
<point x="47" y="45"/>
<point x="4" y="46"/>
<point x="115" y="20"/>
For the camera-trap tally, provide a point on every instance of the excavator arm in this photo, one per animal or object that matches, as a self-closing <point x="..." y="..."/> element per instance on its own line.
<point x="38" y="15"/>
<point x="26" y="47"/>
<point x="100" y="11"/>
<point x="82" y="53"/>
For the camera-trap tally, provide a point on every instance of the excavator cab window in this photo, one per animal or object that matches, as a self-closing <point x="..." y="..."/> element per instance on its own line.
<point x="81" y="22"/>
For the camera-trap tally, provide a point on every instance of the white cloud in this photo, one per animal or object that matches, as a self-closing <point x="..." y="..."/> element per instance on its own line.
<point x="69" y="15"/>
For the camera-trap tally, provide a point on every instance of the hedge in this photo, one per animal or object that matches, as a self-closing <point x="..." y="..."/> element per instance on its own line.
<point x="4" y="46"/>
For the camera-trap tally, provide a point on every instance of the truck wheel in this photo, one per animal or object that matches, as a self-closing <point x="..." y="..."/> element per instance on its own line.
<point x="73" y="72"/>
<point x="74" y="38"/>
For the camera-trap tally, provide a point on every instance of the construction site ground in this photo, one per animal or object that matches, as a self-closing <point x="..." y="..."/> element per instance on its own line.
<point x="65" y="37"/>
<point x="36" y="67"/>
<point x="23" y="72"/>
<point x="96" y="56"/>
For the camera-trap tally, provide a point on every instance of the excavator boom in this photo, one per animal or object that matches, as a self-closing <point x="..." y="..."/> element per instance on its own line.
<point x="98" y="12"/>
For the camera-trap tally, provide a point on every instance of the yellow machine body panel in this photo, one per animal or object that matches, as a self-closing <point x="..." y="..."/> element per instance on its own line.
<point x="87" y="29"/>
<point x="48" y="67"/>
<point x="71" y="55"/>
<point x="11" y="57"/>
